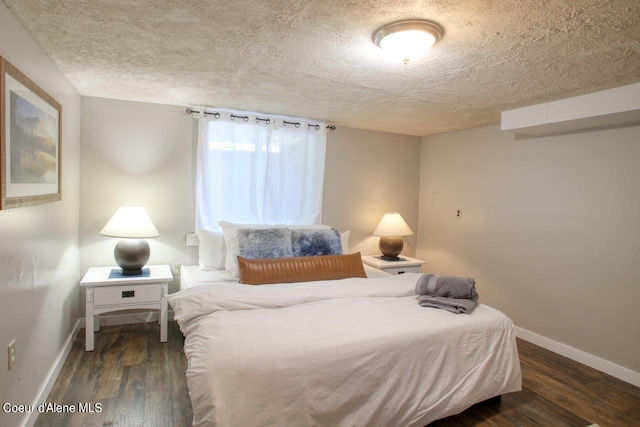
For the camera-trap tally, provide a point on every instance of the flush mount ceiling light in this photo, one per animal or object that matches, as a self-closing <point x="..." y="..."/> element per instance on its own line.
<point x="408" y="40"/>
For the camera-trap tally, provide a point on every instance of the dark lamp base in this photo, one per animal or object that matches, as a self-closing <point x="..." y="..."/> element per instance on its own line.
<point x="391" y="247"/>
<point x="131" y="255"/>
<point x="131" y="272"/>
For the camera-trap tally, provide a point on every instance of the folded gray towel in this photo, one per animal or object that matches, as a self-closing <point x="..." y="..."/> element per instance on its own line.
<point x="454" y="305"/>
<point x="446" y="286"/>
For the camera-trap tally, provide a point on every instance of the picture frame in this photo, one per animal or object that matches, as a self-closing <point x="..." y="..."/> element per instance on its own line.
<point x="30" y="141"/>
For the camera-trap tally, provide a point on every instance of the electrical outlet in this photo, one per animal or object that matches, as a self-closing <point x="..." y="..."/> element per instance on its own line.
<point x="11" y="353"/>
<point x="176" y="269"/>
<point x="458" y="214"/>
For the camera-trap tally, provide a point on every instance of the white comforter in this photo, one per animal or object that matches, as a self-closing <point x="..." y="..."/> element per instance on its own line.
<point x="353" y="352"/>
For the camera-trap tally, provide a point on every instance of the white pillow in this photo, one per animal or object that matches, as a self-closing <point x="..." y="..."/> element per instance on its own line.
<point x="212" y="251"/>
<point x="344" y="239"/>
<point x="309" y="227"/>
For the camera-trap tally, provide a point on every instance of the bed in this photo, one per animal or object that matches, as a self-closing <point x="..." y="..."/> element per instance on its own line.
<point x="358" y="351"/>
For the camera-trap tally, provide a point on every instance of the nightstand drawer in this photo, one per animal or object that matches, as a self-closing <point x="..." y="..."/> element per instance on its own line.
<point x="131" y="294"/>
<point x="404" y="265"/>
<point x="402" y="270"/>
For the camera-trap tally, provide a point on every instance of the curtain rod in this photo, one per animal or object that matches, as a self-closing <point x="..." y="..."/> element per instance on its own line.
<point x="245" y="119"/>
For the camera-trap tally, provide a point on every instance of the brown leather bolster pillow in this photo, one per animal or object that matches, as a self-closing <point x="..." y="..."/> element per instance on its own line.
<point x="300" y="269"/>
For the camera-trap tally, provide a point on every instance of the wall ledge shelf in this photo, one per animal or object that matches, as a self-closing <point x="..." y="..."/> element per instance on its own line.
<point x="604" y="109"/>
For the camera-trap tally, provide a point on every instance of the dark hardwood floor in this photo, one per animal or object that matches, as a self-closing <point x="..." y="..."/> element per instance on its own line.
<point x="139" y="381"/>
<point x="556" y="391"/>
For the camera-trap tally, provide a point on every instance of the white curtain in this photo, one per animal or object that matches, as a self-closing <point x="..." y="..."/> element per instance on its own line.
<point x="259" y="169"/>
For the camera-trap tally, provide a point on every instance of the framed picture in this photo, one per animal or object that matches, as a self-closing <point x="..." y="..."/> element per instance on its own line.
<point x="30" y="141"/>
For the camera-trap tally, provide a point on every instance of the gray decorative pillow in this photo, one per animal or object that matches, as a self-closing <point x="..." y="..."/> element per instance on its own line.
<point x="264" y="242"/>
<point x="314" y="242"/>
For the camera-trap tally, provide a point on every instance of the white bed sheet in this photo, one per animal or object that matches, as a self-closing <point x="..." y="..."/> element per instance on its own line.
<point x="352" y="352"/>
<point x="192" y="275"/>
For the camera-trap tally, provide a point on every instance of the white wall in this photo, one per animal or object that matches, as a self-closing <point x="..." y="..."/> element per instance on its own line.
<point x="550" y="229"/>
<point x="39" y="270"/>
<point x="136" y="153"/>
<point x="369" y="173"/>
<point x="145" y="153"/>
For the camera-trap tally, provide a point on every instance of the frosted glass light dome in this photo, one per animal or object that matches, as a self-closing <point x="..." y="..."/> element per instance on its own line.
<point x="408" y="40"/>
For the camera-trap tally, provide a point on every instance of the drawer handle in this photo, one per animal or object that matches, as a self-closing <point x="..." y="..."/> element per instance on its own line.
<point x="128" y="294"/>
<point x="400" y="272"/>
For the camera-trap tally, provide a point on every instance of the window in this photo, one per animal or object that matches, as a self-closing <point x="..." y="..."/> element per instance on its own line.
<point x="259" y="171"/>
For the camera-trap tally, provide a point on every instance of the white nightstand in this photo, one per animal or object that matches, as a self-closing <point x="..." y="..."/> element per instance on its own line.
<point x="405" y="265"/>
<point x="104" y="294"/>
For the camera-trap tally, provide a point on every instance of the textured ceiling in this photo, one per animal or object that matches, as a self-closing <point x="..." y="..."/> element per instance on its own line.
<point x="315" y="58"/>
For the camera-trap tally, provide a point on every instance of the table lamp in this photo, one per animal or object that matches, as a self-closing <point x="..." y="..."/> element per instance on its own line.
<point x="390" y="229"/>
<point x="133" y="224"/>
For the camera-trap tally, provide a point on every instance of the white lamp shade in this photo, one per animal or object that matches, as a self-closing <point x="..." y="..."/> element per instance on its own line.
<point x="392" y="225"/>
<point x="130" y="221"/>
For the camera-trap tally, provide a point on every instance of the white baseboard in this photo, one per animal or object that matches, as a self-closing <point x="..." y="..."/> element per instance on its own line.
<point x="52" y="375"/>
<point x="620" y="372"/>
